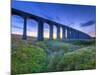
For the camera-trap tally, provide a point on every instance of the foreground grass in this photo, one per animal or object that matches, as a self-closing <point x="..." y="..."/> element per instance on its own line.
<point x="48" y="56"/>
<point x="28" y="59"/>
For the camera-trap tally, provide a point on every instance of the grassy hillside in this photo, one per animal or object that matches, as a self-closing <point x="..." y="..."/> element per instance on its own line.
<point x="33" y="56"/>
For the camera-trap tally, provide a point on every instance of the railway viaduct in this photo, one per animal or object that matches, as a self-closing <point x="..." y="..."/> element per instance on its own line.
<point x="72" y="34"/>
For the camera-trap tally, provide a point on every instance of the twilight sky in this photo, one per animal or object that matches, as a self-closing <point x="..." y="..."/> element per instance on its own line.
<point x="80" y="17"/>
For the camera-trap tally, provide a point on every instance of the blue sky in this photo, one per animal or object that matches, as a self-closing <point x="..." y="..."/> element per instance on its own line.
<point x="80" y="17"/>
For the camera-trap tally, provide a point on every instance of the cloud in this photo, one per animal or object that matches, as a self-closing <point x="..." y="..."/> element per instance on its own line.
<point x="93" y="34"/>
<point x="88" y="23"/>
<point x="17" y="27"/>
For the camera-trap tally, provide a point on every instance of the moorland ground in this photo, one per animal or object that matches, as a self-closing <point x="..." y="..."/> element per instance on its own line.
<point x="32" y="56"/>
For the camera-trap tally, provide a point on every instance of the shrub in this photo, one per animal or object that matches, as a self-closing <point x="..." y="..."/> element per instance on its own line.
<point x="41" y="44"/>
<point x="78" y="60"/>
<point x="27" y="59"/>
<point x="53" y="61"/>
<point x="84" y="42"/>
<point x="57" y="46"/>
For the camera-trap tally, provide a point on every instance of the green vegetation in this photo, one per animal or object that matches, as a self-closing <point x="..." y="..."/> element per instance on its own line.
<point x="27" y="58"/>
<point x="84" y="42"/>
<point x="33" y="56"/>
<point x="81" y="59"/>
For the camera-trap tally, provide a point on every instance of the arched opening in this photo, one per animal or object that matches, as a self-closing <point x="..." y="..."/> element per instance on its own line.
<point x="66" y="33"/>
<point x="32" y="28"/>
<point x="17" y="25"/>
<point x="54" y="32"/>
<point x="61" y="33"/>
<point x="46" y="31"/>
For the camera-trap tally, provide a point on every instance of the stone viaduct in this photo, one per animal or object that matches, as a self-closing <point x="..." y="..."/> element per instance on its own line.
<point x="72" y="34"/>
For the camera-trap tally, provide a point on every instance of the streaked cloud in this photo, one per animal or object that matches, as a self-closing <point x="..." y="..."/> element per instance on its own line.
<point x="17" y="27"/>
<point x="88" y="23"/>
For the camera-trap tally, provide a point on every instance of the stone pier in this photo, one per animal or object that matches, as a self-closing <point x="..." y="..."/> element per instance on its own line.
<point x="63" y="33"/>
<point x="58" y="32"/>
<point x="40" y="31"/>
<point x="51" y="32"/>
<point x="25" y="29"/>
